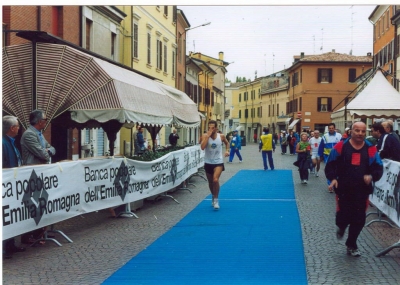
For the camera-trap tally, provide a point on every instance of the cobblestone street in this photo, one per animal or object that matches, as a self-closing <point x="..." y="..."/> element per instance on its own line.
<point x="102" y="244"/>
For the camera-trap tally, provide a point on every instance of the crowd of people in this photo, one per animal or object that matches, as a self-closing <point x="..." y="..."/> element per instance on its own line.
<point x="352" y="161"/>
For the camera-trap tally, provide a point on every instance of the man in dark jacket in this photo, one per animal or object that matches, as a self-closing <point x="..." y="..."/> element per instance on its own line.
<point x="173" y="138"/>
<point x="351" y="167"/>
<point x="11" y="158"/>
<point x="388" y="146"/>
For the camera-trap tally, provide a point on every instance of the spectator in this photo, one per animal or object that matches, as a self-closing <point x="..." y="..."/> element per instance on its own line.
<point x="134" y="139"/>
<point x="388" y="126"/>
<point x="284" y="143"/>
<point x="255" y="137"/>
<point x="173" y="138"/>
<point x="388" y="147"/>
<point x="35" y="150"/>
<point x="292" y="142"/>
<point x="140" y="139"/>
<point x="11" y="158"/>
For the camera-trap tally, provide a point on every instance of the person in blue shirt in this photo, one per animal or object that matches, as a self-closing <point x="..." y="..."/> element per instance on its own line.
<point x="11" y="158"/>
<point x="140" y="139"/>
<point x="235" y="146"/>
<point x="329" y="140"/>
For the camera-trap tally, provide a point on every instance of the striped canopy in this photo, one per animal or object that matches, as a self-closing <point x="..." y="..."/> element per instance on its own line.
<point x="90" y="88"/>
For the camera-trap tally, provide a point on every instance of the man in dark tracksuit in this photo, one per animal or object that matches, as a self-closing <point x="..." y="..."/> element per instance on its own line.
<point x="351" y="166"/>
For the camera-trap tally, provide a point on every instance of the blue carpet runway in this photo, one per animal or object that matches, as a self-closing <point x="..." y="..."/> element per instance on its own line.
<point x="255" y="238"/>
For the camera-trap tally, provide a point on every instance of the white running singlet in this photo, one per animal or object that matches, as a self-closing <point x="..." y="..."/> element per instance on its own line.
<point x="213" y="151"/>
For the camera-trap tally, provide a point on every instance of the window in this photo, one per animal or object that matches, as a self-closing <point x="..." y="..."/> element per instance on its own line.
<point x="324" y="75"/>
<point x="113" y="41"/>
<point x="173" y="63"/>
<point x="301" y="75"/>
<point x="295" y="79"/>
<point x="180" y="47"/>
<point x="165" y="59"/>
<point x="273" y="110"/>
<point x="300" y="103"/>
<point x="166" y="10"/>
<point x="259" y="93"/>
<point x="207" y="97"/>
<point x="179" y="80"/>
<point x="148" y="48"/>
<point x="240" y="97"/>
<point x="159" y="54"/>
<point x="352" y="74"/>
<point x="135" y="40"/>
<point x="246" y="113"/>
<point x="277" y="109"/>
<point x="240" y="114"/>
<point x="269" y="110"/>
<point x="324" y="104"/>
<point x="88" y="33"/>
<point x="387" y="20"/>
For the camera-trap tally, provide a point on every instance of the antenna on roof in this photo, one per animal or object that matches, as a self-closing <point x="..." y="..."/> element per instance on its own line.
<point x="273" y="62"/>
<point x="322" y="41"/>
<point x="351" y="51"/>
<point x="314" y="43"/>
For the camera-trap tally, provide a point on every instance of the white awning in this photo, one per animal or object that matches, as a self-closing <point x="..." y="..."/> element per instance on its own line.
<point x="293" y="124"/>
<point x="287" y="120"/>
<point x="90" y="88"/>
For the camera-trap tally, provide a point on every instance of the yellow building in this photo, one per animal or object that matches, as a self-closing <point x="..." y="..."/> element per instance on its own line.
<point x="274" y="95"/>
<point x="212" y="81"/>
<point x="148" y="45"/>
<point x="247" y="107"/>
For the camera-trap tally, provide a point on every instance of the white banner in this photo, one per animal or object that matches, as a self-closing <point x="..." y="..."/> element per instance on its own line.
<point x="386" y="196"/>
<point x="41" y="195"/>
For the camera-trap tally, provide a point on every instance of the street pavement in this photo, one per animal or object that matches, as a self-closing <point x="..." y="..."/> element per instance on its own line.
<point x="102" y="244"/>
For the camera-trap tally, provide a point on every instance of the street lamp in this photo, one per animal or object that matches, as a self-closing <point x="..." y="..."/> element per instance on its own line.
<point x="205" y="24"/>
<point x="184" y="33"/>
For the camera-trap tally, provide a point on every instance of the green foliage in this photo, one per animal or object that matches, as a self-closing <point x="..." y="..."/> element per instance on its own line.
<point x="241" y="79"/>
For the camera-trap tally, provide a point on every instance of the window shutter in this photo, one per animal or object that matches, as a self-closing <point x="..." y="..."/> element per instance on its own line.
<point x="329" y="104"/>
<point x="330" y="75"/>
<point x="352" y="74"/>
<point x="319" y="103"/>
<point x="319" y="75"/>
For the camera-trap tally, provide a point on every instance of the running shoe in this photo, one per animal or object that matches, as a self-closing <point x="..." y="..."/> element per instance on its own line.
<point x="353" y="252"/>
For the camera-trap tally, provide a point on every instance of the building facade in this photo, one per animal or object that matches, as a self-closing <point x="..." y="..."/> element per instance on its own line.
<point x="248" y="108"/>
<point x="319" y="84"/>
<point x="274" y="96"/>
<point x="60" y="21"/>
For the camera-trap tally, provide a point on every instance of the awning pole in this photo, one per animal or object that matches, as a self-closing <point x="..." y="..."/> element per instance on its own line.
<point x="34" y="79"/>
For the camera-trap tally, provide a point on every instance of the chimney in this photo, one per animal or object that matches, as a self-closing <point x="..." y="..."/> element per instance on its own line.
<point x="302" y="55"/>
<point x="221" y="55"/>
<point x="333" y="50"/>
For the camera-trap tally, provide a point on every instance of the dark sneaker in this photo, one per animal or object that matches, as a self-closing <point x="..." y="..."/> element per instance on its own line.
<point x="353" y="252"/>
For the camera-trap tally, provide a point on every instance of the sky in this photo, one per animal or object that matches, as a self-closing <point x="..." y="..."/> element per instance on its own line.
<point x="265" y="38"/>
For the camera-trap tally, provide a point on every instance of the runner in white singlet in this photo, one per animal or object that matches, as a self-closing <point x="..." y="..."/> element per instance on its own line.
<point x="212" y="142"/>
